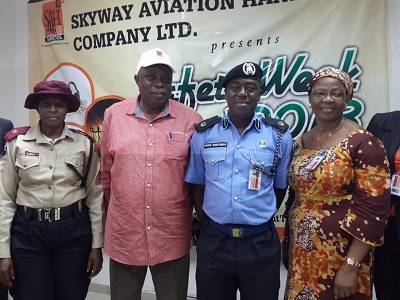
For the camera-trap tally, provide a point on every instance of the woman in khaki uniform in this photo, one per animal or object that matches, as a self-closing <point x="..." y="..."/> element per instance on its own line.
<point x="50" y="203"/>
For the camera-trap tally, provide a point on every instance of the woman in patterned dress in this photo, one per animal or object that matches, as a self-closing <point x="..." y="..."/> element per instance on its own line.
<point x="340" y="176"/>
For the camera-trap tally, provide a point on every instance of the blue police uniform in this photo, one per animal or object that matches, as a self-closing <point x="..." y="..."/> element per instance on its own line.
<point x="239" y="247"/>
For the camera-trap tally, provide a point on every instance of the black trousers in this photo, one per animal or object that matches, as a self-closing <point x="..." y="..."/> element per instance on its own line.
<point x="50" y="259"/>
<point x="227" y="264"/>
<point x="3" y="293"/>
<point x="387" y="265"/>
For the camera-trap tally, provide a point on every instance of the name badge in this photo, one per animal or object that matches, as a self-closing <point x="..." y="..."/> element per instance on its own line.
<point x="315" y="162"/>
<point x="255" y="180"/>
<point x="395" y="184"/>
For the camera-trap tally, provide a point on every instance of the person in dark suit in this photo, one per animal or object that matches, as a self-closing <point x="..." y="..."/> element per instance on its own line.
<point x="5" y="126"/>
<point x="386" y="127"/>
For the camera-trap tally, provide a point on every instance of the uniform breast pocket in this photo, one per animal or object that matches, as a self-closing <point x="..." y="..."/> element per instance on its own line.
<point x="77" y="162"/>
<point x="214" y="159"/>
<point x="177" y="146"/>
<point x="28" y="169"/>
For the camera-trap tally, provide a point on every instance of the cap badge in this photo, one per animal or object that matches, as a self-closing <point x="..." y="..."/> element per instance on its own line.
<point x="249" y="69"/>
<point x="159" y="53"/>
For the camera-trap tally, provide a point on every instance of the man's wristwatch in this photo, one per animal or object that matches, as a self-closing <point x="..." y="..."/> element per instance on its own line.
<point x="352" y="262"/>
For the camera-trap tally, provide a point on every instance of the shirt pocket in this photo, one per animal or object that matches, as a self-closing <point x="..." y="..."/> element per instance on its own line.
<point x="177" y="146"/>
<point x="77" y="161"/>
<point x="213" y="162"/>
<point x="28" y="169"/>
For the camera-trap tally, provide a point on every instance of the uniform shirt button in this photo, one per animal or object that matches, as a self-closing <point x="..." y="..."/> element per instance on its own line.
<point x="25" y="165"/>
<point x="148" y="185"/>
<point x="238" y="146"/>
<point x="76" y="163"/>
<point x="236" y="171"/>
<point x="148" y="227"/>
<point x="52" y="148"/>
<point x="149" y="164"/>
<point x="212" y="160"/>
<point x="151" y="125"/>
<point x="236" y="199"/>
<point x="50" y="187"/>
<point x="50" y="167"/>
<point x="150" y="144"/>
<point x="148" y="206"/>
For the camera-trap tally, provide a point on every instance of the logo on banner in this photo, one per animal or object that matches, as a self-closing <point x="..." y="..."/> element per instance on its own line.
<point x="52" y="19"/>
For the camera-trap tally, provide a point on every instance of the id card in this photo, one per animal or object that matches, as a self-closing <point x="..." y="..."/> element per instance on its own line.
<point x="315" y="162"/>
<point x="255" y="180"/>
<point x="395" y="184"/>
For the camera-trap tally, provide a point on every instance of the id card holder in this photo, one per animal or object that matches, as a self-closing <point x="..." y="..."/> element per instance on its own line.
<point x="255" y="180"/>
<point x="315" y="162"/>
<point x="395" y="184"/>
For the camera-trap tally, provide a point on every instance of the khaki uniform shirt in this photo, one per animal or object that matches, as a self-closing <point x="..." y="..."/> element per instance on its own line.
<point x="34" y="174"/>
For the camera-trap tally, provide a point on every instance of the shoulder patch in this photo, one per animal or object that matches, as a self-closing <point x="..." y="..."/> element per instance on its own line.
<point x="83" y="133"/>
<point x="13" y="133"/>
<point x="277" y="123"/>
<point x="207" y="123"/>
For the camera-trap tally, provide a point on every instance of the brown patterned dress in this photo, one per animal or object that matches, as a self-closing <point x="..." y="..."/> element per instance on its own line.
<point x="347" y="196"/>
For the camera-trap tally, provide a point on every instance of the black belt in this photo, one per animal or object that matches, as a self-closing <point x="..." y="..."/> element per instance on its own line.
<point x="241" y="231"/>
<point x="51" y="214"/>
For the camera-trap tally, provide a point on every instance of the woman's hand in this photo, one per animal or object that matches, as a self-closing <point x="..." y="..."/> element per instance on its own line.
<point x="95" y="262"/>
<point x="6" y="271"/>
<point x="345" y="281"/>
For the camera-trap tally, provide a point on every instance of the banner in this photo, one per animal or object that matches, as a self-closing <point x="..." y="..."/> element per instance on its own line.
<point x="94" y="46"/>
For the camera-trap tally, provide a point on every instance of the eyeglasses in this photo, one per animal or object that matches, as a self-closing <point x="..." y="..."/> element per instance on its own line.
<point x="321" y="94"/>
<point x="47" y="105"/>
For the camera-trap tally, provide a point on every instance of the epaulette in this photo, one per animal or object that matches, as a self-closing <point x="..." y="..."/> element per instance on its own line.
<point x="13" y="133"/>
<point x="207" y="123"/>
<point x="277" y="123"/>
<point x="83" y="133"/>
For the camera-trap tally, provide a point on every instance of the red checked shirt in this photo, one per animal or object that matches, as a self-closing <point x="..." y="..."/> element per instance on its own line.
<point x="149" y="214"/>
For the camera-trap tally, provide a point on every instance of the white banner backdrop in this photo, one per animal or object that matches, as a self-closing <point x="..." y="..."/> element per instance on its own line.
<point x="94" y="46"/>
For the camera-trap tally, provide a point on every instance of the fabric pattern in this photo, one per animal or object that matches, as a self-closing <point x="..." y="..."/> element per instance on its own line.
<point x="345" y="197"/>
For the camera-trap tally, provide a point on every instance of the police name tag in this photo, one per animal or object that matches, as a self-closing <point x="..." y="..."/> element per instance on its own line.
<point x="395" y="184"/>
<point x="255" y="180"/>
<point x="315" y="162"/>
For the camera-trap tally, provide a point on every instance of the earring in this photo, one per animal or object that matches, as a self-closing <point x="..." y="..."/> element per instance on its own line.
<point x="309" y="105"/>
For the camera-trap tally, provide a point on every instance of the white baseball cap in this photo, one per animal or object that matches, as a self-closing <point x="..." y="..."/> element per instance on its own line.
<point x="154" y="57"/>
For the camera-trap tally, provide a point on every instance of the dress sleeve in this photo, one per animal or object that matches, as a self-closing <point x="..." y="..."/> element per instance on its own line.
<point x="370" y="204"/>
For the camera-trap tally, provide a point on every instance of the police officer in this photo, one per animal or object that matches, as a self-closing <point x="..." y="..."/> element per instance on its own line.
<point x="50" y="203"/>
<point x="237" y="170"/>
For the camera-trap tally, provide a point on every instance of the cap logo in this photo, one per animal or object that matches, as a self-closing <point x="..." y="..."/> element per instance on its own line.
<point x="249" y="69"/>
<point x="159" y="53"/>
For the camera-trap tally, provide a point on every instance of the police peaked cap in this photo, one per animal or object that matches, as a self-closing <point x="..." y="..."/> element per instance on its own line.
<point x="247" y="70"/>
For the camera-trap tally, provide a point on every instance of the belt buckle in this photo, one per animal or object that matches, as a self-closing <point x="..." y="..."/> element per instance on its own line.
<point x="238" y="232"/>
<point x="47" y="216"/>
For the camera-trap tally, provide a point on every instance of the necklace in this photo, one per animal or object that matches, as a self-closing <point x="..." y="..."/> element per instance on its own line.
<point x="332" y="132"/>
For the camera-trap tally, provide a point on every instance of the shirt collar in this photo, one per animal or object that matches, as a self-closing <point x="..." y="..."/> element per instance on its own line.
<point x="34" y="133"/>
<point x="255" y="122"/>
<point x="168" y="110"/>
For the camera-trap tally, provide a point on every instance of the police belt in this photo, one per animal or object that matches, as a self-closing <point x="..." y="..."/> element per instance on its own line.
<point x="241" y="231"/>
<point x="51" y="214"/>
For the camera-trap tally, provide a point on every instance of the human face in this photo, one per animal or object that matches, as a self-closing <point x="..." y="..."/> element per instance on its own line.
<point x="242" y="96"/>
<point x="52" y="111"/>
<point x="155" y="86"/>
<point x="328" y="99"/>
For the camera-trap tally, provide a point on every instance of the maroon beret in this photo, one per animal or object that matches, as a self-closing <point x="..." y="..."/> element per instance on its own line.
<point x="52" y="87"/>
